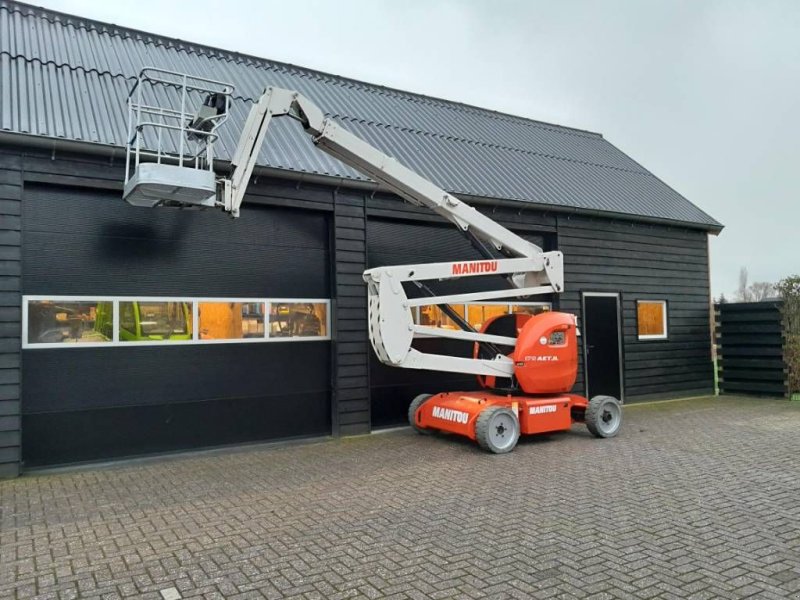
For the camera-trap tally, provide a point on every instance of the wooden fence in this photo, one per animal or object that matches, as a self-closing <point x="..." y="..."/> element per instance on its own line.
<point x="750" y="349"/>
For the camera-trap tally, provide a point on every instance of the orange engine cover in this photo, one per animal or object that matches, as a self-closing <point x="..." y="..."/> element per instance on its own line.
<point x="546" y="354"/>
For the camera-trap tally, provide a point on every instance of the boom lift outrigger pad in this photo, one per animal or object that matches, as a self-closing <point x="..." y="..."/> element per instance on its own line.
<point x="526" y="365"/>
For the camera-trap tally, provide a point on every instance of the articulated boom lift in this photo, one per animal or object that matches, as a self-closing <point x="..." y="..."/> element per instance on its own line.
<point x="536" y="355"/>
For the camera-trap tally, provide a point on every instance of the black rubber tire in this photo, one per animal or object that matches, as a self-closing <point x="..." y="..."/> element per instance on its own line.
<point x="483" y="431"/>
<point x="595" y="413"/>
<point x="412" y="412"/>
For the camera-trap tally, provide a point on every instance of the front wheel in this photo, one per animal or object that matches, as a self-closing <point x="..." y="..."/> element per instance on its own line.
<point x="497" y="429"/>
<point x="412" y="413"/>
<point x="604" y="416"/>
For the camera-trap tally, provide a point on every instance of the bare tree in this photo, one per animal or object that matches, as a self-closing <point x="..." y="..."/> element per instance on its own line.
<point x="761" y="290"/>
<point x="743" y="293"/>
<point x="789" y="291"/>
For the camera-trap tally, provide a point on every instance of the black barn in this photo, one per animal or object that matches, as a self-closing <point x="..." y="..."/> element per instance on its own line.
<point x="77" y="264"/>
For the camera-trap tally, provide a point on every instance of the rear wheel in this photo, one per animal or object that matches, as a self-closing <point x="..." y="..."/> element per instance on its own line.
<point x="497" y="429"/>
<point x="604" y="416"/>
<point x="412" y="413"/>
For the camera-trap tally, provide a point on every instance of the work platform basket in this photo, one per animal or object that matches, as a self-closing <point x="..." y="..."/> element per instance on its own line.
<point x="170" y="143"/>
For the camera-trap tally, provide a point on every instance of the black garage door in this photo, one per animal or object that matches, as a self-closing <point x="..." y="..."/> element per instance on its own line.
<point x="90" y="403"/>
<point x="403" y="242"/>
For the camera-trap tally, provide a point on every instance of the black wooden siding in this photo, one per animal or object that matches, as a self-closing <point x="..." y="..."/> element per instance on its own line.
<point x="10" y="312"/>
<point x="350" y="347"/>
<point x="750" y="342"/>
<point x="646" y="262"/>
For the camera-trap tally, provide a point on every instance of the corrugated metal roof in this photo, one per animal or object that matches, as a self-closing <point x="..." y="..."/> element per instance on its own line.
<point x="66" y="77"/>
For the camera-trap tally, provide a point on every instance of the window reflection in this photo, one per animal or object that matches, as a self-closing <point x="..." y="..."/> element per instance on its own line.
<point x="478" y="314"/>
<point x="57" y="322"/>
<point x="72" y="320"/>
<point x="298" y="319"/>
<point x="530" y="309"/>
<point x="231" y="320"/>
<point x="651" y="318"/>
<point x="155" y="321"/>
<point x="433" y="316"/>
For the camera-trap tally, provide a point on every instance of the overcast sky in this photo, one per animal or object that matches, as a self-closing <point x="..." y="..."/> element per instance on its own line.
<point x="706" y="94"/>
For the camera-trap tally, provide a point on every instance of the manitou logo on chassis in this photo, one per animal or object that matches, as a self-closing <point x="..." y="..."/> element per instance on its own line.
<point x="448" y="414"/>
<point x="538" y="410"/>
<point x="468" y="268"/>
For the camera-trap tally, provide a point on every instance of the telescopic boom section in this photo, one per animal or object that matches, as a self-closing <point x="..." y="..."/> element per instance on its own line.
<point x="392" y="326"/>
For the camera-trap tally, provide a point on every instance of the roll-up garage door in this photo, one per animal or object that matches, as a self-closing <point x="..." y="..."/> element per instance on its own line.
<point x="269" y="380"/>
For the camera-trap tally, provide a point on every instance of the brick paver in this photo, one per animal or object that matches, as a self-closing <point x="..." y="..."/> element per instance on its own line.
<point x="695" y="499"/>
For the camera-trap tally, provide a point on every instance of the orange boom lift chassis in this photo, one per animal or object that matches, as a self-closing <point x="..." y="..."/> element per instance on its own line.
<point x="526" y="365"/>
<point x="545" y="367"/>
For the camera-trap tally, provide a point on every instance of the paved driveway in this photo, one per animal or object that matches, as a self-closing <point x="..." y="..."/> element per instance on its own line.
<point x="696" y="499"/>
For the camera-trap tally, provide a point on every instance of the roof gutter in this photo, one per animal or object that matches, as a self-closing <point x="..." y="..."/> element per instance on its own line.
<point x="110" y="150"/>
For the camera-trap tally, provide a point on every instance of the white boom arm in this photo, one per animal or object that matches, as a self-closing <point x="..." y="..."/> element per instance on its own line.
<point x="391" y="325"/>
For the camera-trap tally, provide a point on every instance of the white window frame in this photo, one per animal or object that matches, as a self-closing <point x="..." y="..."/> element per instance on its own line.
<point x="655" y="336"/>
<point x="195" y="300"/>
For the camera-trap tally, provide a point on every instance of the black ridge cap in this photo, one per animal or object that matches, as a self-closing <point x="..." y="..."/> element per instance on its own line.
<point x="65" y="19"/>
<point x="100" y="149"/>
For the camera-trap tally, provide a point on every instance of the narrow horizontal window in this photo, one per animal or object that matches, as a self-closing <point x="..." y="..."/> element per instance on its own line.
<point x="477" y="314"/>
<point x="231" y="320"/>
<point x="88" y="321"/>
<point x="70" y="322"/>
<point x="153" y="321"/>
<point x="651" y="319"/>
<point x="298" y="319"/>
